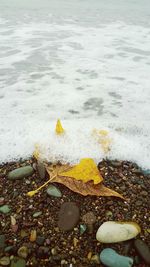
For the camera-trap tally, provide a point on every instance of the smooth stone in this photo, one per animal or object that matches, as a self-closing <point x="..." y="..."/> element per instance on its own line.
<point x="53" y="191"/>
<point x="37" y="214"/>
<point x="41" y="169"/>
<point x="113" y="232"/>
<point x="2" y="241"/>
<point x="23" y="252"/>
<point x="17" y="262"/>
<point x="111" y="258"/>
<point x="20" y="173"/>
<point x="5" y="209"/>
<point x="5" y="261"/>
<point x="143" y="250"/>
<point x="68" y="217"/>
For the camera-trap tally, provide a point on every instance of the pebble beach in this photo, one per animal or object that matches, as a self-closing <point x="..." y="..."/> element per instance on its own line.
<point x="74" y="92"/>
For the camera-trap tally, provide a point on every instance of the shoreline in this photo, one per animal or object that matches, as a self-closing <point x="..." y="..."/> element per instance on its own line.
<point x="52" y="247"/>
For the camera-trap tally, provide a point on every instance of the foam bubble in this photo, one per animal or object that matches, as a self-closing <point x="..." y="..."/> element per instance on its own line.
<point x="82" y="66"/>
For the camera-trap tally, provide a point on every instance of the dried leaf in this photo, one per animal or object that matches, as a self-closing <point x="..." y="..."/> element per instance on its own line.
<point x="85" y="171"/>
<point x="59" y="129"/>
<point x="77" y="186"/>
<point x="85" y="189"/>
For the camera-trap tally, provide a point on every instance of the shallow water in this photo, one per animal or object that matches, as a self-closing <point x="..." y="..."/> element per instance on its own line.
<point x="86" y="62"/>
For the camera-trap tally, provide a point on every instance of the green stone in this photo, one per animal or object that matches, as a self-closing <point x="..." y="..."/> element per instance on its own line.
<point x="20" y="173"/>
<point x="5" y="209"/>
<point x="17" y="262"/>
<point x="37" y="214"/>
<point x="83" y="228"/>
<point x="109" y="257"/>
<point x="5" y="261"/>
<point x="53" y="191"/>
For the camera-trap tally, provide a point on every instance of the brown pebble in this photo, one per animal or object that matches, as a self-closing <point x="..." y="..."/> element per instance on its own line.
<point x="68" y="216"/>
<point x="143" y="250"/>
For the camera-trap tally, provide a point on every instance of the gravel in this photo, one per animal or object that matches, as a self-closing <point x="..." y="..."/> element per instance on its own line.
<point x="120" y="176"/>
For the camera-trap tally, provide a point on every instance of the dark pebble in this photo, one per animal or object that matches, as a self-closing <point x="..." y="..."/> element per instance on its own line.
<point x="143" y="250"/>
<point x="40" y="240"/>
<point x="42" y="252"/>
<point x="68" y="216"/>
<point x="116" y="163"/>
<point x="2" y="241"/>
<point x="127" y="247"/>
<point x="138" y="203"/>
<point x="41" y="169"/>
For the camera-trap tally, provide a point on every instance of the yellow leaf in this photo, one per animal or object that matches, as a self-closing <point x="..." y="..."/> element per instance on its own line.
<point x="85" y="171"/>
<point x="59" y="129"/>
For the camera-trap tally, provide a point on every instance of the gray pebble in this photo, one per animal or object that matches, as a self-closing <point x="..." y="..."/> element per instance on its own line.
<point x="20" y="173"/>
<point x="37" y="214"/>
<point x="53" y="191"/>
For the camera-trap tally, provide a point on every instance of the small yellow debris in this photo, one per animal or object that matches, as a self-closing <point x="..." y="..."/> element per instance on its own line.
<point x="89" y="256"/>
<point x="32" y="193"/>
<point x="103" y="132"/>
<point x="59" y="129"/>
<point x="36" y="153"/>
<point x="75" y="242"/>
<point x="102" y="136"/>
<point x="33" y="236"/>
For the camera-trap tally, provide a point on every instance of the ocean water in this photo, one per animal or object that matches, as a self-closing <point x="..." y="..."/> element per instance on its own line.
<point x="86" y="62"/>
